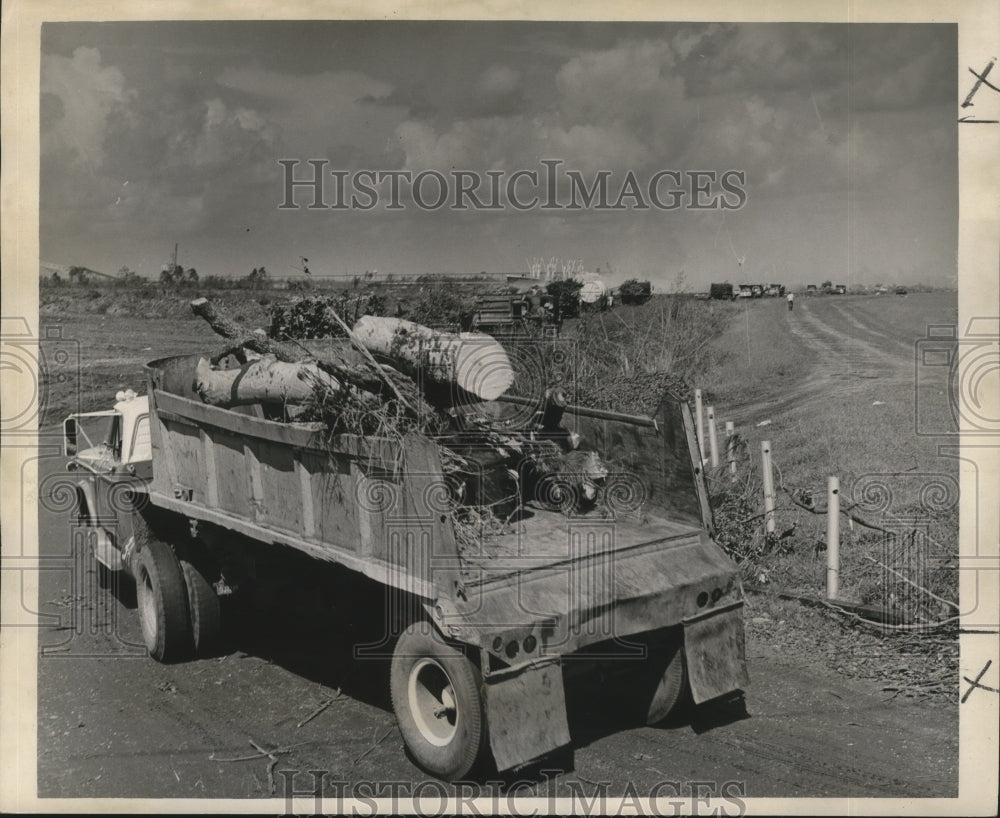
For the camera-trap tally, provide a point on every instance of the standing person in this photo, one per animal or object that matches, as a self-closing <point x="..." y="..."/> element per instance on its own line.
<point x="791" y="301"/>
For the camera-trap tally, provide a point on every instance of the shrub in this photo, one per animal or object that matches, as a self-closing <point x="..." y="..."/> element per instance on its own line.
<point x="440" y="305"/>
<point x="635" y="292"/>
<point x="310" y="318"/>
<point x="568" y="293"/>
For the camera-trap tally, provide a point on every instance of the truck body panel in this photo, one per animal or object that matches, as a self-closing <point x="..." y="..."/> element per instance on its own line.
<point x="280" y="483"/>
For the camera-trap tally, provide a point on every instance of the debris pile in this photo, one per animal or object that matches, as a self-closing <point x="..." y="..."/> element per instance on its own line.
<point x="387" y="376"/>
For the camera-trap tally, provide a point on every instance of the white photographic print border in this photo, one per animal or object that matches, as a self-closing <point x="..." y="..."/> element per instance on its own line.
<point x="977" y="112"/>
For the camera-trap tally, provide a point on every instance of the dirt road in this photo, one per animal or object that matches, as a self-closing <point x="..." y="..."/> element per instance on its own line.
<point x="850" y="343"/>
<point x="112" y="722"/>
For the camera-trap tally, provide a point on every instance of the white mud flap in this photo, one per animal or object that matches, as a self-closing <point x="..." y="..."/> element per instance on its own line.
<point x="109" y="556"/>
<point x="526" y="712"/>
<point x="714" y="647"/>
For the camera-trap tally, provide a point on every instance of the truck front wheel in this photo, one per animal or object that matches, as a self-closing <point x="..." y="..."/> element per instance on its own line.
<point x="162" y="602"/>
<point x="435" y="695"/>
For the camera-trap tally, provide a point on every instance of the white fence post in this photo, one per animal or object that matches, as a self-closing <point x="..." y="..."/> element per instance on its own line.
<point x="765" y="455"/>
<point x="699" y="424"/>
<point x="713" y="442"/>
<point x="731" y="449"/>
<point x="833" y="538"/>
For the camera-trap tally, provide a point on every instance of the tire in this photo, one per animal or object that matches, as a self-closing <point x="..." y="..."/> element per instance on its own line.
<point x="672" y="687"/>
<point x="162" y="602"/>
<point x="204" y="611"/>
<point x="435" y="695"/>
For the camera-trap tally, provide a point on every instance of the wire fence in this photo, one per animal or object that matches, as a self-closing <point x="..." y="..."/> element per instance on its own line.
<point x="898" y="571"/>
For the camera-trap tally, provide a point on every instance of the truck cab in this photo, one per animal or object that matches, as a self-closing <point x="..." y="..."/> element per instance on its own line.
<point x="111" y="463"/>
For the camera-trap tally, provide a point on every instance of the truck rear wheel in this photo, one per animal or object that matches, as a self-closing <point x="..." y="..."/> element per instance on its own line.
<point x="162" y="602"/>
<point x="204" y="610"/>
<point x="435" y="695"/>
<point x="672" y="685"/>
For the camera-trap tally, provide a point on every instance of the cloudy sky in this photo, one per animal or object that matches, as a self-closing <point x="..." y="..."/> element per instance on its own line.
<point x="155" y="133"/>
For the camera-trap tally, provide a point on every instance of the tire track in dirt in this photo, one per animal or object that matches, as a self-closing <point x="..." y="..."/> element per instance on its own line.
<point x="866" y="326"/>
<point x="840" y="361"/>
<point x="847" y="355"/>
<point x="813" y="772"/>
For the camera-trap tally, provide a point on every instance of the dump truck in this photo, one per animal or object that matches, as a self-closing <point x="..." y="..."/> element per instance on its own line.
<point x="179" y="495"/>
<point x="510" y="315"/>
<point x="723" y="291"/>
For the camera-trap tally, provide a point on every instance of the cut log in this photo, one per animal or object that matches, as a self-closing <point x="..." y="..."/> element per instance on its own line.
<point x="219" y="322"/>
<point x="265" y="380"/>
<point x="474" y="362"/>
<point x="246" y="343"/>
<point x="385" y="381"/>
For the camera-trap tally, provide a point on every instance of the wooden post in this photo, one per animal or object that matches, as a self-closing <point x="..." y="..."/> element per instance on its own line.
<point x="765" y="456"/>
<point x="731" y="449"/>
<point x="713" y="443"/>
<point x="699" y="424"/>
<point x="833" y="538"/>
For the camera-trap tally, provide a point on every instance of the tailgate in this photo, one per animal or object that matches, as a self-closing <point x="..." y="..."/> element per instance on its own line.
<point x="605" y="594"/>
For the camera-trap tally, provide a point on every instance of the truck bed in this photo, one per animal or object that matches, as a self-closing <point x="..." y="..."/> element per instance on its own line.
<point x="542" y="538"/>
<point x="360" y="502"/>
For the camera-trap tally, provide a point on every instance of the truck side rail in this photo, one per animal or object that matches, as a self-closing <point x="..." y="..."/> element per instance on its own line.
<point x="370" y="504"/>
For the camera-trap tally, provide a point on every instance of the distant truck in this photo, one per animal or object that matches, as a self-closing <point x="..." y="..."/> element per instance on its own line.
<point x="775" y="290"/>
<point x="721" y="291"/>
<point x="506" y="315"/>
<point x="192" y="501"/>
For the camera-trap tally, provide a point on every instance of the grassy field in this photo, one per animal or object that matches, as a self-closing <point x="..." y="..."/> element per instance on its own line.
<point x="842" y="400"/>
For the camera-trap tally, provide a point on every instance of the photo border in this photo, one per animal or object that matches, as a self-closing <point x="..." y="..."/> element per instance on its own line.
<point x="979" y="284"/>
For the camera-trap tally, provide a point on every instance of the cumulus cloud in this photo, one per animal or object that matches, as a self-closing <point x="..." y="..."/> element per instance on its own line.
<point x="634" y="81"/>
<point x="87" y="92"/>
<point x="315" y="111"/>
<point x="614" y="108"/>
<point x="806" y="110"/>
<point x="228" y="134"/>
<point x="510" y="143"/>
<point x="499" y="79"/>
